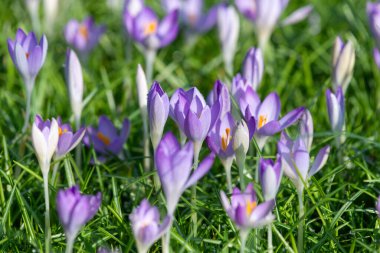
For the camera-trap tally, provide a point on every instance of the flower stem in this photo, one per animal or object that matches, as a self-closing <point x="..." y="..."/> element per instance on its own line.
<point x="270" y="243"/>
<point x="78" y="150"/>
<point x="300" y="226"/>
<point x="150" y="56"/>
<point x="227" y="167"/>
<point x="243" y="239"/>
<point x="27" y="112"/>
<point x="55" y="170"/>
<point x="69" y="244"/>
<point x="47" y="211"/>
<point x="241" y="164"/>
<point x="197" y="150"/>
<point x="166" y="242"/>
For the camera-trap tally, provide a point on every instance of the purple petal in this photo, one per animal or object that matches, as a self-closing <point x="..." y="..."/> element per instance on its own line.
<point x="261" y="211"/>
<point x="319" y="161"/>
<point x="298" y="15"/>
<point x="291" y="118"/>
<point x="202" y="170"/>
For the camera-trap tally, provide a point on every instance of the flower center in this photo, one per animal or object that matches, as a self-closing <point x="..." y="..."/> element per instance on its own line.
<point x="192" y="18"/>
<point x="83" y="31"/>
<point x="226" y="138"/>
<point x="150" y="28"/>
<point x="103" y="138"/>
<point x="250" y="206"/>
<point x="60" y="131"/>
<point x="27" y="55"/>
<point x="262" y="121"/>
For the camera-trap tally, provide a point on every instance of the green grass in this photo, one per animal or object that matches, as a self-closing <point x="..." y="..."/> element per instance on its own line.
<point x="340" y="214"/>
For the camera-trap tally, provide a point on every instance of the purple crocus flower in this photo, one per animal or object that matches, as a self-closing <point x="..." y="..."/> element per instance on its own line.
<point x="145" y="221"/>
<point x="68" y="140"/>
<point x="253" y="67"/>
<point x="376" y="57"/>
<point x="28" y="55"/>
<point x="270" y="175"/>
<point x="83" y="36"/>
<point x="307" y="129"/>
<point x="174" y="165"/>
<point x="264" y="115"/>
<point x="105" y="139"/>
<point x="295" y="159"/>
<point x="144" y="26"/>
<point x="336" y="110"/>
<point x="75" y="210"/>
<point x="343" y="63"/>
<point x="192" y="115"/>
<point x="219" y="100"/>
<point x="373" y="13"/>
<point x="191" y="13"/>
<point x="158" y="111"/>
<point x="378" y="206"/>
<point x="244" y="211"/>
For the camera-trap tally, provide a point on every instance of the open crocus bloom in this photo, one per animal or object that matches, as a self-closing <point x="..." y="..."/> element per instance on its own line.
<point x="28" y="55"/>
<point x="191" y="12"/>
<point x="174" y="165"/>
<point x="75" y="210"/>
<point x="83" y="36"/>
<point x="244" y="210"/>
<point x="296" y="160"/>
<point x="265" y="114"/>
<point x="106" y="139"/>
<point x="68" y="140"/>
<point x="145" y="27"/>
<point x="145" y="221"/>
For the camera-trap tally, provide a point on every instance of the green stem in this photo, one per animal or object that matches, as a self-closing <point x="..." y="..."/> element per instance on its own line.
<point x="47" y="211"/>
<point x="69" y="173"/>
<point x="55" y="170"/>
<point x="166" y="242"/>
<point x="300" y="245"/>
<point x="78" y="149"/>
<point x="197" y="150"/>
<point x="27" y="112"/>
<point x="69" y="244"/>
<point x="227" y="167"/>
<point x="150" y="56"/>
<point x="241" y="164"/>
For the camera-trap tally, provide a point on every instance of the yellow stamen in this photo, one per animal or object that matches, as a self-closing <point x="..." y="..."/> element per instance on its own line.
<point x="226" y="137"/>
<point x="60" y="131"/>
<point x="83" y="30"/>
<point x="103" y="138"/>
<point x="250" y="207"/>
<point x="150" y="28"/>
<point x="262" y="120"/>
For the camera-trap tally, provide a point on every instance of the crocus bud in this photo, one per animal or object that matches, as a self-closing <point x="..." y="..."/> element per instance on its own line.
<point x="50" y="12"/>
<point x="241" y="141"/>
<point x="378" y="206"/>
<point x="307" y="129"/>
<point x="45" y="140"/>
<point x="253" y="67"/>
<point x="270" y="175"/>
<point x="74" y="80"/>
<point x="146" y="225"/>
<point x="343" y="63"/>
<point x="142" y="89"/>
<point x="228" y="26"/>
<point x="335" y="108"/>
<point x="75" y="210"/>
<point x="33" y="8"/>
<point x="158" y="111"/>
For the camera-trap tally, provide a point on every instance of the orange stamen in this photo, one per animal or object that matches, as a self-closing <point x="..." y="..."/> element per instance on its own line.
<point x="83" y="30"/>
<point x="262" y="121"/>
<point x="226" y="139"/>
<point x="250" y="207"/>
<point x="150" y="28"/>
<point x="60" y="131"/>
<point x="103" y="138"/>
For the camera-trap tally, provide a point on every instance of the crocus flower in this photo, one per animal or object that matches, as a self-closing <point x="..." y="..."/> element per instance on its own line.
<point x="264" y="115"/>
<point x="74" y="80"/>
<point x="105" y="139"/>
<point x="192" y="115"/>
<point x="307" y="129"/>
<point x="376" y="57"/>
<point x="244" y="210"/>
<point x="132" y="7"/>
<point x="335" y="108"/>
<point x="158" y="112"/>
<point x="191" y="13"/>
<point x="83" y="36"/>
<point x="373" y="13"/>
<point x="343" y="63"/>
<point x="174" y="165"/>
<point x="241" y="145"/>
<point x="220" y="142"/>
<point x="228" y="26"/>
<point x="45" y="135"/>
<point x="68" y="140"/>
<point x="295" y="159"/>
<point x="270" y="174"/>
<point x="298" y="15"/>
<point x="50" y="13"/>
<point x="145" y="27"/>
<point x="378" y="206"/>
<point x="33" y="8"/>
<point x="28" y="55"/>
<point x="145" y="221"/>
<point x="253" y="67"/>
<point x="264" y="14"/>
<point x="75" y="210"/>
